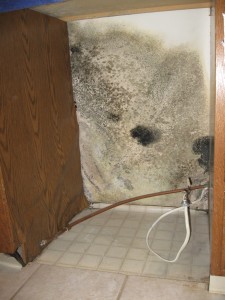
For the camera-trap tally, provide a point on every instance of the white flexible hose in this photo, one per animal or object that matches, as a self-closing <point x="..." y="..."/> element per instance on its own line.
<point x="188" y="232"/>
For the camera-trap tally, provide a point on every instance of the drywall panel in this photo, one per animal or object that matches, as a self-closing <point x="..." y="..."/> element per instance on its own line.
<point x="141" y="84"/>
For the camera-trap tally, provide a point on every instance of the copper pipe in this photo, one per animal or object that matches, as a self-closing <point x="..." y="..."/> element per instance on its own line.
<point x="175" y="191"/>
<point x="197" y="187"/>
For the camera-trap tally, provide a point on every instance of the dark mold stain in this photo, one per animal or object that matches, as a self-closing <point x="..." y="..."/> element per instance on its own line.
<point x="145" y="135"/>
<point x="114" y="117"/>
<point x="203" y="146"/>
<point x="75" y="49"/>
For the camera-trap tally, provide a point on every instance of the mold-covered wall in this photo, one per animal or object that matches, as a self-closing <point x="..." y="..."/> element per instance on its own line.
<point x="142" y="93"/>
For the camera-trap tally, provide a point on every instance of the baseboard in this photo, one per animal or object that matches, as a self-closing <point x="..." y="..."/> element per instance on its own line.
<point x="217" y="284"/>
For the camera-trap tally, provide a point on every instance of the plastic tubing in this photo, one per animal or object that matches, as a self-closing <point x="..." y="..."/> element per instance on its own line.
<point x="187" y="226"/>
<point x="188" y="232"/>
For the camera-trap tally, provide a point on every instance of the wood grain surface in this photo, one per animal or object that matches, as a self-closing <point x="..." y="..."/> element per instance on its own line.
<point x="218" y="218"/>
<point x="76" y="10"/>
<point x="39" y="139"/>
<point x="8" y="238"/>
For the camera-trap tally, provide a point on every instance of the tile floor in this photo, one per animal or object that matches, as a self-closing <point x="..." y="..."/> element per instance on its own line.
<point x="106" y="258"/>
<point x="115" y="241"/>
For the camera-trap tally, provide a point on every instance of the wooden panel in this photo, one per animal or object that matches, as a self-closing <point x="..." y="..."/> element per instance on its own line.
<point x="218" y="228"/>
<point x="75" y="9"/>
<point x="8" y="239"/>
<point x="39" y="150"/>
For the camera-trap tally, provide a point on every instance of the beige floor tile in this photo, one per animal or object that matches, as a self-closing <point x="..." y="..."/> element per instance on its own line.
<point x="184" y="259"/>
<point x="167" y="226"/>
<point x="59" y="245"/>
<point x="201" y="228"/>
<point x="92" y="229"/>
<point x="128" y="232"/>
<point x="85" y="237"/>
<point x="69" y="236"/>
<point x="202" y="220"/>
<point x="103" y="240"/>
<point x="131" y="224"/>
<point x="151" y="288"/>
<point x="97" y="249"/>
<point x="141" y="233"/>
<point x="177" y="271"/>
<point x="164" y="254"/>
<point x="98" y="221"/>
<point x="69" y="259"/>
<point x="117" y="252"/>
<point x="164" y="235"/>
<point x="109" y="230"/>
<point x="122" y="241"/>
<point x="137" y="254"/>
<point x="160" y="245"/>
<point x="175" y="245"/>
<point x="68" y="283"/>
<point x="78" y="228"/>
<point x="155" y="269"/>
<point x="114" y="222"/>
<point x="202" y="238"/>
<point x="119" y="214"/>
<point x="49" y="256"/>
<point x="79" y="247"/>
<point x="180" y="227"/>
<point x="90" y="261"/>
<point x="201" y="260"/>
<point x="132" y="266"/>
<point x="12" y="281"/>
<point x="139" y="243"/>
<point x="110" y="264"/>
<point x="200" y="273"/>
<point x="124" y="237"/>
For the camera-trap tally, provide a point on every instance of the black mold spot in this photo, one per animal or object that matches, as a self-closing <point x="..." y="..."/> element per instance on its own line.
<point x="75" y="49"/>
<point x="114" y="117"/>
<point x="144" y="135"/>
<point x="202" y="146"/>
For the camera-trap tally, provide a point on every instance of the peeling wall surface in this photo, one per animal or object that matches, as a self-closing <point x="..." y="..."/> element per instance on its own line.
<point x="141" y="85"/>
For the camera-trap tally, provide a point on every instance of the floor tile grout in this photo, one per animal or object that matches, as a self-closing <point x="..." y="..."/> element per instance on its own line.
<point x="122" y="288"/>
<point x="24" y="283"/>
<point x="142" y="223"/>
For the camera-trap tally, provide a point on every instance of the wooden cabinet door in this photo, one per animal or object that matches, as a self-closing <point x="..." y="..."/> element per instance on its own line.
<point x="39" y="137"/>
<point x="218" y="209"/>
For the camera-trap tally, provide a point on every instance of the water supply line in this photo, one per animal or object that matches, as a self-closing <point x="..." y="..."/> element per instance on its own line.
<point x="45" y="242"/>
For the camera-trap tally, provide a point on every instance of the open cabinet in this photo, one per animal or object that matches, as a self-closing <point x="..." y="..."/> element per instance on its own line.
<point x="41" y="185"/>
<point x="46" y="182"/>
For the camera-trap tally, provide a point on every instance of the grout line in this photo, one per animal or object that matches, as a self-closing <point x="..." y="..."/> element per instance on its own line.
<point x="133" y="237"/>
<point x="25" y="282"/>
<point x="110" y="245"/>
<point x="122" y="288"/>
<point x="119" y="270"/>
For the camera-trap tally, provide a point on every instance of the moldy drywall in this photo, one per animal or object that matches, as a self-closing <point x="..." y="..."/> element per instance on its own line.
<point x="142" y="94"/>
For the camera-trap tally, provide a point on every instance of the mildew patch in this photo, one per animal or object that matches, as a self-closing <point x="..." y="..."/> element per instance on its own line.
<point x="114" y="117"/>
<point x="202" y="146"/>
<point x="140" y="105"/>
<point x="144" y="135"/>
